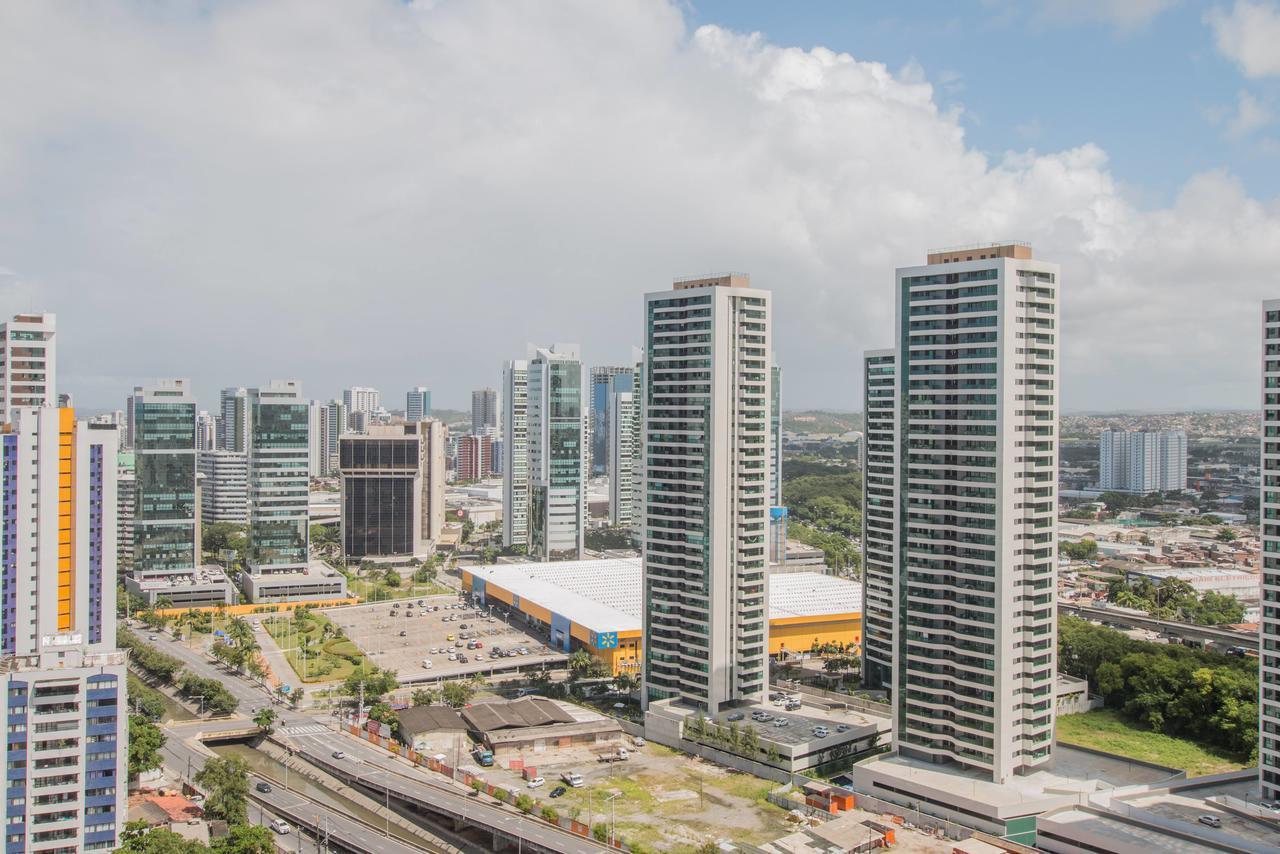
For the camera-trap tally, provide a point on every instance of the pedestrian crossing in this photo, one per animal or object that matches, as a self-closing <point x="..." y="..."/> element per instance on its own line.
<point x="306" y="729"/>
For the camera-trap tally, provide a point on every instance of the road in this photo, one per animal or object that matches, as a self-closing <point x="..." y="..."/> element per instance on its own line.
<point x="1221" y="638"/>
<point x="405" y="782"/>
<point x="374" y="769"/>
<point x="337" y="827"/>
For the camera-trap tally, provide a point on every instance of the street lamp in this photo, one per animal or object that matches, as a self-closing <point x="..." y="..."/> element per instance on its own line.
<point x="613" y="818"/>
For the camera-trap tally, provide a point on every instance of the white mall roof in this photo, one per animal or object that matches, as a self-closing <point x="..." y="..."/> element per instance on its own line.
<point x="605" y="595"/>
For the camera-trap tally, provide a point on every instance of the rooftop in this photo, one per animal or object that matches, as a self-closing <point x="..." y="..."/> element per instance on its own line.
<point x="605" y="595"/>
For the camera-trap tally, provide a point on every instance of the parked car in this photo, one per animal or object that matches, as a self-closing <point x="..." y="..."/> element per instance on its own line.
<point x="536" y="782"/>
<point x="572" y="778"/>
<point x="821" y="732"/>
<point x="280" y="826"/>
<point x="781" y="722"/>
<point x="1210" y="821"/>
<point x="558" y="791"/>
<point x="426" y="662"/>
<point x="453" y="656"/>
<point x="734" y="716"/>
<point x="403" y="633"/>
<point x="842" y="728"/>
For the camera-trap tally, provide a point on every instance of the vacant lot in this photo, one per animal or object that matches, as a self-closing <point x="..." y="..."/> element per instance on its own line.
<point x="1104" y="729"/>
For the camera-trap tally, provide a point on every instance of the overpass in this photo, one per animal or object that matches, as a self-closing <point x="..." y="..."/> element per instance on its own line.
<point x="1219" y="638"/>
<point x="360" y="768"/>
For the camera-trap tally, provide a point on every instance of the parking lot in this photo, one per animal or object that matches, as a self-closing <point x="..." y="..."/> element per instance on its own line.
<point x="404" y="635"/>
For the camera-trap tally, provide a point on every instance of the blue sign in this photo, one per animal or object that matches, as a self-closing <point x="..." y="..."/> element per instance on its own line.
<point x="607" y="640"/>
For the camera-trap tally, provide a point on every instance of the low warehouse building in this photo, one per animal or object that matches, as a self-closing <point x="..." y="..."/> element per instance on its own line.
<point x="430" y="729"/>
<point x="535" y="724"/>
<point x="597" y="605"/>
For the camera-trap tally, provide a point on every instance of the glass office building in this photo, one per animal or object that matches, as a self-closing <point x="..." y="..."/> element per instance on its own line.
<point x="164" y="524"/>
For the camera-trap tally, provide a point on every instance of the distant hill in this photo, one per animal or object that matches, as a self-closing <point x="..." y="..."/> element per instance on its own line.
<point x="452" y="417"/>
<point x="820" y="421"/>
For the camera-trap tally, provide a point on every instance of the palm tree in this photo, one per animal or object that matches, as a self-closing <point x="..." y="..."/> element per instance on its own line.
<point x="264" y="719"/>
<point x="239" y="630"/>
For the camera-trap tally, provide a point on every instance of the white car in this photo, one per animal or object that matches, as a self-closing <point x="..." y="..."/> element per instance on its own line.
<point x="821" y="732"/>
<point x="426" y="663"/>
<point x="536" y="782"/>
<point x="280" y="826"/>
<point x="453" y="656"/>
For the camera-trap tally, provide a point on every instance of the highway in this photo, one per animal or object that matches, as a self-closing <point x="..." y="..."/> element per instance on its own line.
<point x="1221" y="639"/>
<point x="373" y="769"/>
<point x="377" y="770"/>
<point x="340" y="830"/>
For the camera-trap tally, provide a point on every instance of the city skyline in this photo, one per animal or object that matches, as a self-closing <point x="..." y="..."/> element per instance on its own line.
<point x="820" y="196"/>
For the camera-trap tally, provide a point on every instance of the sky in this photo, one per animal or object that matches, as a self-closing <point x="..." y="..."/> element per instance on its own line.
<point x="374" y="192"/>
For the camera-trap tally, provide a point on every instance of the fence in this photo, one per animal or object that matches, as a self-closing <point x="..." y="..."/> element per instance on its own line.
<point x="895" y="814"/>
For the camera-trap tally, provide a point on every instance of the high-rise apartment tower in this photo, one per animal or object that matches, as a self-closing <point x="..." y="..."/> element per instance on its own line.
<point x="706" y="401"/>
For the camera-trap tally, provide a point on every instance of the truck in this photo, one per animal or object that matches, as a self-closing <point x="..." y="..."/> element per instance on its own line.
<point x="483" y="757"/>
<point x="573" y="779"/>
<point x="619" y="755"/>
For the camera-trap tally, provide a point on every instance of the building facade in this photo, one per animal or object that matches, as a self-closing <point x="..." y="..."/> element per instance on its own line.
<point x="515" y="451"/>
<point x="65" y="691"/>
<point x="383" y="479"/>
<point x="1142" y="462"/>
<point x="126" y="499"/>
<point x="28" y="362"/>
<point x="363" y="400"/>
<point x="976" y="371"/>
<point x="623" y="447"/>
<point x="1269" y="513"/>
<point x="233" y="420"/>
<point x="333" y="423"/>
<point x="475" y="457"/>
<point x="417" y="404"/>
<point x="224" y="495"/>
<point x="706" y="401"/>
<point x="484" y="412"/>
<point x="557" y="453"/>
<point x="206" y="431"/>
<point x="879" y="518"/>
<point x="165" y="520"/>
<point x="606" y="381"/>
<point x="775" y="433"/>
<point x="277" y="482"/>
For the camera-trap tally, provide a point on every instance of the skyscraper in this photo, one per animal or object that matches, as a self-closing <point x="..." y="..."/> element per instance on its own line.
<point x="475" y="457"/>
<point x="224" y="493"/>
<point x="206" y="431"/>
<point x="363" y="400"/>
<point x="484" y="412"/>
<point x="1269" y="620"/>
<point x="1142" y="462"/>
<point x="974" y="637"/>
<point x="65" y="691"/>
<point x="333" y="423"/>
<point x="164" y="524"/>
<point x="279" y="448"/>
<point x="879" y="518"/>
<point x="775" y="433"/>
<point x="233" y="421"/>
<point x="557" y="453"/>
<point x="28" y="362"/>
<point x="606" y="381"/>
<point x="316" y="462"/>
<point x="706" y="402"/>
<point x="515" y="450"/>
<point x="417" y="404"/>
<point x="623" y="445"/>
<point x="386" y="480"/>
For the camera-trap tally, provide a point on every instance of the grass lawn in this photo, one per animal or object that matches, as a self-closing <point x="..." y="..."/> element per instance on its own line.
<point x="1104" y="729"/>
<point x="327" y="660"/>
<point x="374" y="589"/>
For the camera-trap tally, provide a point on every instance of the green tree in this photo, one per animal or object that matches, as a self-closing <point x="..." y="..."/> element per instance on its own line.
<point x="139" y="838"/>
<point x="391" y="577"/>
<point x="145" y="741"/>
<point x="524" y="803"/>
<point x="245" y="839"/>
<point x="264" y="719"/>
<point x="456" y="694"/>
<point x="383" y="713"/>
<point x="225" y="781"/>
<point x="424" y="697"/>
<point x="324" y="535"/>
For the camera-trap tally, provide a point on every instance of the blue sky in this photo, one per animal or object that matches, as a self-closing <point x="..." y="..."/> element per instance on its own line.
<point x="1153" y="91"/>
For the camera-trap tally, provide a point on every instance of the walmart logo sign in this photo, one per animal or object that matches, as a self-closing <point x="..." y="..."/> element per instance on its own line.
<point x="607" y="640"/>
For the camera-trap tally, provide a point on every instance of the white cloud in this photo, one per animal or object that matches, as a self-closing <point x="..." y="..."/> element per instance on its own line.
<point x="1251" y="114"/>
<point x="1249" y="35"/>
<point x="379" y="193"/>
<point x="1122" y="14"/>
